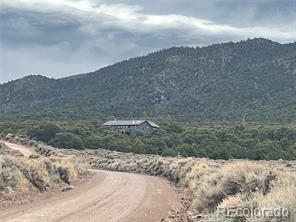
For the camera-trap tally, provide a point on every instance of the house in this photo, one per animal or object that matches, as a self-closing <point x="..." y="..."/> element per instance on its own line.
<point x="131" y="126"/>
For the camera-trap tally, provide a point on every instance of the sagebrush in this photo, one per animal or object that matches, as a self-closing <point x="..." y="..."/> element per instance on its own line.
<point x="18" y="173"/>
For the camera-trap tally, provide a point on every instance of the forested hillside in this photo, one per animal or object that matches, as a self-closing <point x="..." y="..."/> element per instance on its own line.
<point x="253" y="80"/>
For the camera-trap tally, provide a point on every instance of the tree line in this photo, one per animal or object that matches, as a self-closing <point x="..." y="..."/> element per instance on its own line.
<point x="216" y="141"/>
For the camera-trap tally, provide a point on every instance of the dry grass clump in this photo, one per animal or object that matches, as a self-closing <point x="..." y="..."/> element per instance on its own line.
<point x="11" y="176"/>
<point x="67" y="169"/>
<point x="23" y="174"/>
<point x="210" y="186"/>
<point x="173" y="169"/>
<point x="244" y="185"/>
<point x="47" y="151"/>
<point x="282" y="195"/>
<point x="18" y="173"/>
<point x="4" y="150"/>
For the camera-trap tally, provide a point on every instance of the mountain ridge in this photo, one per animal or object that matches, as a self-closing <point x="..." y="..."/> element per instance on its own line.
<point x="220" y="82"/>
<point x="257" y="40"/>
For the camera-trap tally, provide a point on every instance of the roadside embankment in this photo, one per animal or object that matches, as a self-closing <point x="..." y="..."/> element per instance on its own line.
<point x="207" y="184"/>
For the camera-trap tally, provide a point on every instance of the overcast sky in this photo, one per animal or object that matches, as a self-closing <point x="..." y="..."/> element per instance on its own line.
<point x="64" y="37"/>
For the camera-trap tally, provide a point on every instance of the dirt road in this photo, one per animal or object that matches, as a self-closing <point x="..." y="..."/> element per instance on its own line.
<point x="107" y="196"/>
<point x="26" y="151"/>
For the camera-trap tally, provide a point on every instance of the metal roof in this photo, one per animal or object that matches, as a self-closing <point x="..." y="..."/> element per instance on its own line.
<point x="129" y="123"/>
<point x="153" y="124"/>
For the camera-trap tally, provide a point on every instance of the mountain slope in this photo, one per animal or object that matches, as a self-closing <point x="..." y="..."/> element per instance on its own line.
<point x="254" y="79"/>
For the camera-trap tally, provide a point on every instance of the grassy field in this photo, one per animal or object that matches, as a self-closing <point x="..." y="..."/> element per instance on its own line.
<point x="22" y="174"/>
<point x="207" y="185"/>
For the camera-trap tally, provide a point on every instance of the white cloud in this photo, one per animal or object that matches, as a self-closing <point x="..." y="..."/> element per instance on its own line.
<point x="94" y="16"/>
<point x="58" y="37"/>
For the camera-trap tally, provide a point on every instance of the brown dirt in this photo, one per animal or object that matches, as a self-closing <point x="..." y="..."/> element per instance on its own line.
<point x="15" y="199"/>
<point x="26" y="151"/>
<point x="105" y="197"/>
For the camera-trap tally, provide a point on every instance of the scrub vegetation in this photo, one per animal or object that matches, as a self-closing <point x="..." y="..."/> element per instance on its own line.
<point x="23" y="174"/>
<point x="211" y="184"/>
<point x="204" y="140"/>
<point x="207" y="184"/>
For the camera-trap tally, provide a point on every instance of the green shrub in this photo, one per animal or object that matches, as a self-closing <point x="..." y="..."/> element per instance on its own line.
<point x="44" y="132"/>
<point x="168" y="152"/>
<point x="66" y="140"/>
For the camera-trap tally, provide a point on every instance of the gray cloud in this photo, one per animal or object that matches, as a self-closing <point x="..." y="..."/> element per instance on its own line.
<point x="64" y="37"/>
